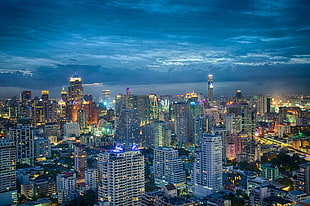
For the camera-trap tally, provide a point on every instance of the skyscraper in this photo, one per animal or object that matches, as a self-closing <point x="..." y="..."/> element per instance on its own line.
<point x="210" y="88"/>
<point x="80" y="159"/>
<point x="207" y="173"/>
<point x="122" y="177"/>
<point x="24" y="142"/>
<point x="8" y="175"/>
<point x="75" y="89"/>
<point x="183" y="123"/>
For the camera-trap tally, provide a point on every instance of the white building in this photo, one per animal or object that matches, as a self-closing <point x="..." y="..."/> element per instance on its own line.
<point x="8" y="192"/>
<point x="168" y="168"/>
<point x="71" y="129"/>
<point x="207" y="173"/>
<point x="122" y="180"/>
<point x="91" y="178"/>
<point x="65" y="186"/>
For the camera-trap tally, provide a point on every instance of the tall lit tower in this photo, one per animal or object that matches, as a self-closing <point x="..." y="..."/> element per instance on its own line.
<point x="122" y="177"/>
<point x="208" y="169"/>
<point x="75" y="89"/>
<point x="210" y="88"/>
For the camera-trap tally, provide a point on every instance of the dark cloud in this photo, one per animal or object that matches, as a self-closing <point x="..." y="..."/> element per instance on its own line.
<point x="163" y="42"/>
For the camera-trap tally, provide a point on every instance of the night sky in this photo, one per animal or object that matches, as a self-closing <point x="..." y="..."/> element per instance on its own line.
<point x="161" y="46"/>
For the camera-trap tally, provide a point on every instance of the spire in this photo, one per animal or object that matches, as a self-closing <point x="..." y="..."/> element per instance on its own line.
<point x="63" y="91"/>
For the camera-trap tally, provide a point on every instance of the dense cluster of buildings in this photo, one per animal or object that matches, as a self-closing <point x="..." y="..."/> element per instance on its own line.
<point x="154" y="149"/>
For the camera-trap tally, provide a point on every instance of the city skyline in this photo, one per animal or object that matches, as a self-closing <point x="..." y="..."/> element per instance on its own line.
<point x="166" y="47"/>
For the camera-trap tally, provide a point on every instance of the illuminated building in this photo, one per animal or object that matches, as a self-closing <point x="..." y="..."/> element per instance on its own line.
<point x="128" y="128"/>
<point x="25" y="96"/>
<point x="183" y="123"/>
<point x="71" y="129"/>
<point x="210" y="88"/>
<point x="24" y="142"/>
<point x="168" y="168"/>
<point x="75" y="89"/>
<point x="269" y="172"/>
<point x="208" y="170"/>
<point x="233" y="123"/>
<point x="122" y="177"/>
<point x="82" y="120"/>
<point x="106" y="98"/>
<point x="39" y="114"/>
<point x="80" y="159"/>
<point x="44" y="95"/>
<point x="238" y="97"/>
<point x="8" y="193"/>
<point x="42" y="149"/>
<point x="262" y="104"/>
<point x="302" y="181"/>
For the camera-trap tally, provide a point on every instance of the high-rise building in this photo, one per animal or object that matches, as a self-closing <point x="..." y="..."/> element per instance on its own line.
<point x="25" y="96"/>
<point x="207" y="173"/>
<point x="24" y="142"/>
<point x="262" y="104"/>
<point x="210" y="88"/>
<point x="80" y="159"/>
<point x="302" y="181"/>
<point x="106" y="98"/>
<point x="75" y="89"/>
<point x="127" y="128"/>
<point x="168" y="168"/>
<point x="183" y="123"/>
<point x="238" y="97"/>
<point x="8" y="193"/>
<point x="44" y="95"/>
<point x="122" y="177"/>
<point x="91" y="178"/>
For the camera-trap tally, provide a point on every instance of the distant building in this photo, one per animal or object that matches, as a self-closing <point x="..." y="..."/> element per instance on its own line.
<point x="80" y="159"/>
<point x="210" y="88"/>
<point x="270" y="172"/>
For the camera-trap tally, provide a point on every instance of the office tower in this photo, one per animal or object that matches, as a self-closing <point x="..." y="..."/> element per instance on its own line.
<point x="168" y="168"/>
<point x="233" y="123"/>
<point x="302" y="181"/>
<point x="8" y="193"/>
<point x="80" y="159"/>
<point x="64" y="95"/>
<point x="210" y="88"/>
<point x="127" y="128"/>
<point x="25" y="96"/>
<point x="122" y="177"/>
<point x="90" y="109"/>
<point x="91" y="178"/>
<point x="207" y="173"/>
<point x="238" y="97"/>
<point x="75" y="89"/>
<point x="39" y="112"/>
<point x="154" y="109"/>
<point x="65" y="186"/>
<point x="82" y="119"/>
<point x="262" y="104"/>
<point x="23" y="140"/>
<point x="44" y="95"/>
<point x="183" y="123"/>
<point x="106" y="98"/>
<point x="129" y="99"/>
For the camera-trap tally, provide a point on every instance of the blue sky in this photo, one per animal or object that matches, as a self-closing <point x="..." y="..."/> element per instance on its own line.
<point x="161" y="46"/>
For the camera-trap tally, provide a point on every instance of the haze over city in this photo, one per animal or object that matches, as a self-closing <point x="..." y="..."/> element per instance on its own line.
<point x="166" y="47"/>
